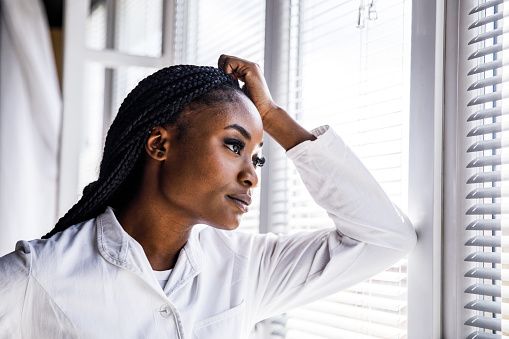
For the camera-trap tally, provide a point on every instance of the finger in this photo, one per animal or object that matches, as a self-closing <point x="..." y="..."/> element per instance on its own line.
<point x="224" y="63"/>
<point x="237" y="67"/>
<point x="245" y="89"/>
<point x="221" y="62"/>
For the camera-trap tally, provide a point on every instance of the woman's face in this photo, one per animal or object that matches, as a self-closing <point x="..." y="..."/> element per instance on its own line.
<point x="209" y="174"/>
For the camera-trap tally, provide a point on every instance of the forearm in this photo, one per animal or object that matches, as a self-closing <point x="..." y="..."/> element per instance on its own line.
<point x="284" y="129"/>
<point x="339" y="182"/>
<point x="276" y="121"/>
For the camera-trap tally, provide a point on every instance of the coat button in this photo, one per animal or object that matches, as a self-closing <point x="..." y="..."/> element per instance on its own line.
<point x="165" y="311"/>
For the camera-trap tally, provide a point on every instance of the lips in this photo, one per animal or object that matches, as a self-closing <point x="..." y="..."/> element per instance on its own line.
<point x="241" y="200"/>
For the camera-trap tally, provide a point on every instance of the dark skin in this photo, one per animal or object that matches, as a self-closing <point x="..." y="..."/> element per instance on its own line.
<point x="205" y="175"/>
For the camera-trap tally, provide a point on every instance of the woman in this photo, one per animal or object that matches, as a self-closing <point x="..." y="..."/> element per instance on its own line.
<point x="183" y="150"/>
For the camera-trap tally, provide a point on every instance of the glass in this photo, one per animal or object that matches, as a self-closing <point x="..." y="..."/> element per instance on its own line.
<point x="128" y="26"/>
<point x="92" y="123"/>
<point x="105" y="89"/>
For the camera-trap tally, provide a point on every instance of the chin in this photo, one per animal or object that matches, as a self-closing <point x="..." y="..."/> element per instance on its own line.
<point x="226" y="226"/>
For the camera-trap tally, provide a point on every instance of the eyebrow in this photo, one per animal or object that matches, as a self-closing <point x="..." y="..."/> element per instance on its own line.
<point x="242" y="131"/>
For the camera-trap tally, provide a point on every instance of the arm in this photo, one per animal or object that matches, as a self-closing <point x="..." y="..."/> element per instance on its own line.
<point x="354" y="178"/>
<point x="371" y="234"/>
<point x="276" y="121"/>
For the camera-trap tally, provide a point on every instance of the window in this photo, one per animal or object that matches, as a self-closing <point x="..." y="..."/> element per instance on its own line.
<point x="206" y="36"/>
<point x="110" y="46"/>
<point x="319" y="65"/>
<point x="354" y="80"/>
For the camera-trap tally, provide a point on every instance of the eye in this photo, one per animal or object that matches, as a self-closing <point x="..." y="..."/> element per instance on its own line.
<point x="258" y="162"/>
<point x="234" y="145"/>
<point x="234" y="148"/>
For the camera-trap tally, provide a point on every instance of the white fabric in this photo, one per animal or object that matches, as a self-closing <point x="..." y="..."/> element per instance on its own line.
<point x="30" y="113"/>
<point x="94" y="281"/>
<point x="162" y="277"/>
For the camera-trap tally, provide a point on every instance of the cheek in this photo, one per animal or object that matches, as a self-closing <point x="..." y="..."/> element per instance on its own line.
<point x="217" y="171"/>
<point x="206" y="171"/>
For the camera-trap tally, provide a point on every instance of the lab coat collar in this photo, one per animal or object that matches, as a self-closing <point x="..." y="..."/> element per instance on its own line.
<point x="120" y="249"/>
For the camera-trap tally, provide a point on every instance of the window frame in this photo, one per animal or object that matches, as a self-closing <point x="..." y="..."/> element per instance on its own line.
<point x="425" y="179"/>
<point x="76" y="55"/>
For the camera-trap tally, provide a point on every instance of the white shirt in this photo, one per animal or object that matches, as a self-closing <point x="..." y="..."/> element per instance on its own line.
<point x="94" y="281"/>
<point x="162" y="277"/>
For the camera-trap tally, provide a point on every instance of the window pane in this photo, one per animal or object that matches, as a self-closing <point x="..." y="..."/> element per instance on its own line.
<point x="129" y="26"/>
<point x="353" y="80"/>
<point x="234" y="27"/>
<point x="105" y="89"/>
<point x="125" y="78"/>
<point x="208" y="34"/>
<point x="92" y="125"/>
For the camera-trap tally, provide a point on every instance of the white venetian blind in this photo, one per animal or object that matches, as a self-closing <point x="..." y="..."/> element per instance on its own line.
<point x="233" y="27"/>
<point x="355" y="80"/>
<point x="487" y="143"/>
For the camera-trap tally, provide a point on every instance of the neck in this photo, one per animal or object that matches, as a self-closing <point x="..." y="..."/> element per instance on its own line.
<point x="161" y="236"/>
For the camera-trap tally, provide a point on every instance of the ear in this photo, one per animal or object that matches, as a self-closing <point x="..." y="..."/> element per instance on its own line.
<point x="158" y="143"/>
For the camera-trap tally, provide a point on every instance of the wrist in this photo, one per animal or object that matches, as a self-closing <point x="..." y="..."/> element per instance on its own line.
<point x="271" y="116"/>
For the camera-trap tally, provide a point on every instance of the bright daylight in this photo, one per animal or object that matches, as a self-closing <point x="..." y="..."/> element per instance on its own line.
<point x="254" y="169"/>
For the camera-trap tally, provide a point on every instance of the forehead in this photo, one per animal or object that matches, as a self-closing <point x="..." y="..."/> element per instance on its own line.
<point x="206" y="119"/>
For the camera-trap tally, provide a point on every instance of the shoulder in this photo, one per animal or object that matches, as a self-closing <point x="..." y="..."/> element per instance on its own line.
<point x="36" y="256"/>
<point x="15" y="266"/>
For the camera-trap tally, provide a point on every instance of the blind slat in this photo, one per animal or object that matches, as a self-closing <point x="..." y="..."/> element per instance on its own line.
<point x="482" y="209"/>
<point x="497" y="79"/>
<point x="486" y="20"/>
<point x="484" y="145"/>
<point x="484" y="273"/>
<point x="486" y="35"/>
<point x="488" y="129"/>
<point x="484" y="225"/>
<point x="489" y="66"/>
<point x="485" y="5"/>
<point x="483" y="289"/>
<point x="484" y="241"/>
<point x="490" y="160"/>
<point x="485" y="51"/>
<point x="485" y="322"/>
<point x="487" y="192"/>
<point x="483" y="335"/>
<point x="484" y="98"/>
<point x="484" y="257"/>
<point x="486" y="113"/>
<point x="494" y="176"/>
<point x="484" y="306"/>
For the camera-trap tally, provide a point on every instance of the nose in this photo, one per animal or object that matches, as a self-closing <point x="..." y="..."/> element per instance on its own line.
<point x="248" y="176"/>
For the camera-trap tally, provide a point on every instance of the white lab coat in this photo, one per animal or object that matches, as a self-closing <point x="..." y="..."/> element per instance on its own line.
<point x="94" y="281"/>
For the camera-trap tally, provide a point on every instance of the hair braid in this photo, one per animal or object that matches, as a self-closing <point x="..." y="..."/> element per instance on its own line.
<point x="156" y="100"/>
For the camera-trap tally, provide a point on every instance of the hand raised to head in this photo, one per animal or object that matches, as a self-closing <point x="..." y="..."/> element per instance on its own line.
<point x="255" y="85"/>
<point x="276" y="121"/>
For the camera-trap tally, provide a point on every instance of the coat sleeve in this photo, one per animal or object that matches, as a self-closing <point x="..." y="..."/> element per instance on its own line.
<point x="370" y="233"/>
<point x="14" y="278"/>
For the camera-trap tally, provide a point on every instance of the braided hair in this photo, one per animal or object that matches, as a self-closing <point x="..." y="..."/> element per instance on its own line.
<point x="156" y="100"/>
